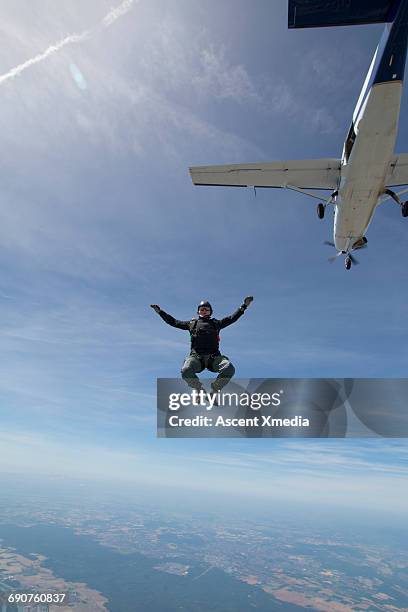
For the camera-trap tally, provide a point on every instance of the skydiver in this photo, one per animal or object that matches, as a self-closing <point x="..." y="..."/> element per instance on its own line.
<point x="205" y="340"/>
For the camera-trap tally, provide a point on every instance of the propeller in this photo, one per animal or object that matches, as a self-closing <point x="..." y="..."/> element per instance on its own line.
<point x="334" y="257"/>
<point x="354" y="261"/>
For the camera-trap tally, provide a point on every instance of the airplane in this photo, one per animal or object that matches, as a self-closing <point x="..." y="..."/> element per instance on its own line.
<point x="362" y="178"/>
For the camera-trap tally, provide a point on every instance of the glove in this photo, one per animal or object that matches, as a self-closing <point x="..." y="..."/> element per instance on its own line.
<point x="248" y="300"/>
<point x="155" y="307"/>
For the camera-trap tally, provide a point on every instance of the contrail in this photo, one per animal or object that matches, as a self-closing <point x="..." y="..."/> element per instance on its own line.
<point x="117" y="12"/>
<point x="107" y="21"/>
<point x="74" y="38"/>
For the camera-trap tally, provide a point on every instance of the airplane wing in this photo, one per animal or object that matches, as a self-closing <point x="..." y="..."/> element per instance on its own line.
<point x="398" y="171"/>
<point x="303" y="174"/>
<point x="319" y="13"/>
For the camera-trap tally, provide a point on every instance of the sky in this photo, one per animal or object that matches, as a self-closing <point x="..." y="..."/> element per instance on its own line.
<point x="103" y="109"/>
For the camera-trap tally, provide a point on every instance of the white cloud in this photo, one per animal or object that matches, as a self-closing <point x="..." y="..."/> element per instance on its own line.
<point x="267" y="481"/>
<point x="342" y="457"/>
<point x="218" y="78"/>
<point x="323" y="121"/>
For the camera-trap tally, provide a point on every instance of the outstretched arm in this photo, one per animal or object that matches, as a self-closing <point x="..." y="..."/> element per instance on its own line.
<point x="169" y="319"/>
<point x="237" y="314"/>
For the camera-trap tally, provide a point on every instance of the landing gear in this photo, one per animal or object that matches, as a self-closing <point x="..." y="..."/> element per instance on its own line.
<point x="321" y="207"/>
<point x="320" y="210"/>
<point x="395" y="197"/>
<point x="361" y="243"/>
<point x="347" y="262"/>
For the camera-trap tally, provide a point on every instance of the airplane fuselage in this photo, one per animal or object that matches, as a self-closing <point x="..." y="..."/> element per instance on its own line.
<point x="370" y="144"/>
<point x="363" y="172"/>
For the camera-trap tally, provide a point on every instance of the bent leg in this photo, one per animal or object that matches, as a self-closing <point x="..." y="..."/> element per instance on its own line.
<point x="225" y="370"/>
<point x="191" y="366"/>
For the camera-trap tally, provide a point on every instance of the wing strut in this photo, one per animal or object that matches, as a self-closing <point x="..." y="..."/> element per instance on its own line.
<point x="312" y="195"/>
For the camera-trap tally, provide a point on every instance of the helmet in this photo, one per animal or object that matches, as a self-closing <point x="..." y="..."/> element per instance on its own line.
<point x="207" y="304"/>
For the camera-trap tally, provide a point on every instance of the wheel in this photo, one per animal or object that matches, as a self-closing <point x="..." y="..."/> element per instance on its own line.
<point x="320" y="210"/>
<point x="347" y="263"/>
<point x="404" y="209"/>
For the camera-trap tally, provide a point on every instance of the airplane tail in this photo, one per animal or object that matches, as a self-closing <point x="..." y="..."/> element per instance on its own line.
<point x="323" y="13"/>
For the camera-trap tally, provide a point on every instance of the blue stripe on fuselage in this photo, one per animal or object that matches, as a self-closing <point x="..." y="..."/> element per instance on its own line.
<point x="375" y="63"/>
<point x="391" y="66"/>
